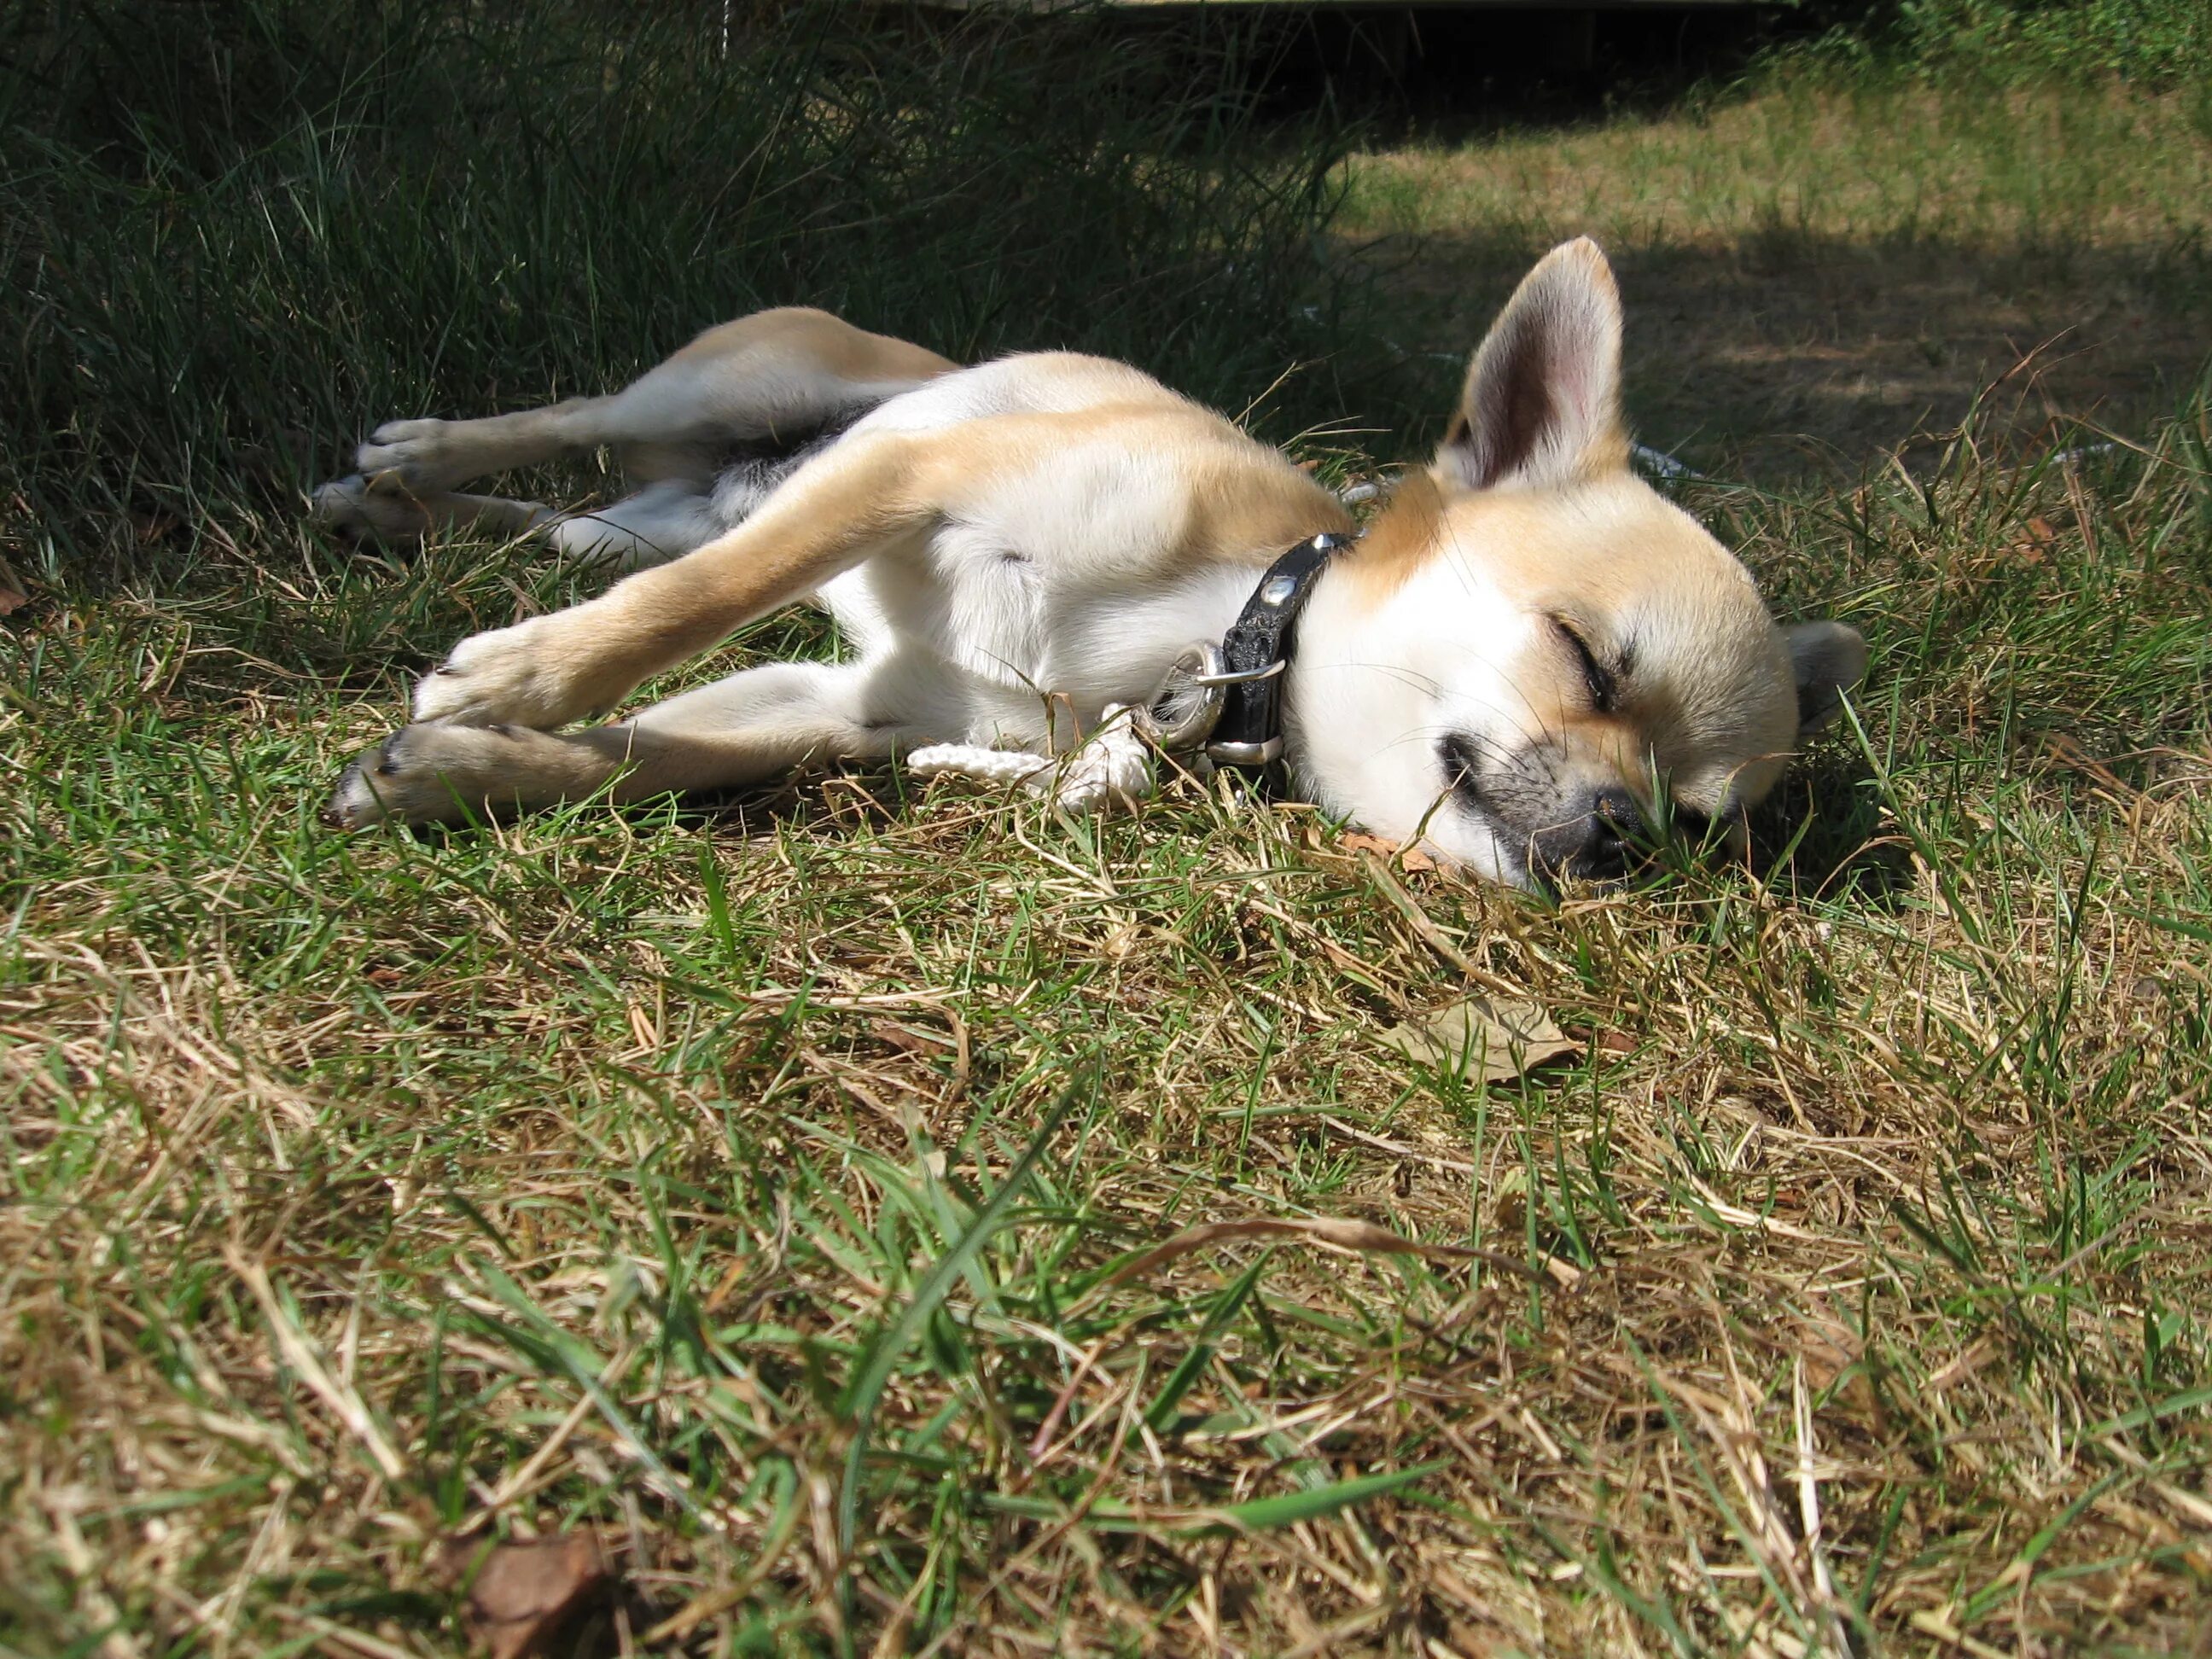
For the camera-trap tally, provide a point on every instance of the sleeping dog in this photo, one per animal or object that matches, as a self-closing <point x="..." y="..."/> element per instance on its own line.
<point x="1527" y="656"/>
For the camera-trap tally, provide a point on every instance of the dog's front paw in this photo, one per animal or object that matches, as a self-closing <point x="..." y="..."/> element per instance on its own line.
<point x="391" y="784"/>
<point x="419" y="455"/>
<point x="533" y="674"/>
<point x="348" y="505"/>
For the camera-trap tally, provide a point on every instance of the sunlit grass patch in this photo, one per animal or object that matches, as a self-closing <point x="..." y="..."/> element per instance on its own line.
<point x="1849" y="1279"/>
<point x="1819" y="269"/>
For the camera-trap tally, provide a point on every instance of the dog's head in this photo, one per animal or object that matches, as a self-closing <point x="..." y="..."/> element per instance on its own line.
<point x="1533" y="653"/>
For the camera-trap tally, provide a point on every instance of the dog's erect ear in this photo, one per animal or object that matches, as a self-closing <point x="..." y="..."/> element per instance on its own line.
<point x="1828" y="658"/>
<point x="1542" y="404"/>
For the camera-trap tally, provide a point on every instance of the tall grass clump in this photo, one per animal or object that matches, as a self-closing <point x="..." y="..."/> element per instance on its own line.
<point x="235" y="235"/>
<point x="2157" y="44"/>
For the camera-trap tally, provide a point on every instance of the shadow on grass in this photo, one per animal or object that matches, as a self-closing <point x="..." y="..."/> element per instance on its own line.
<point x="1830" y="808"/>
<point x="1780" y="354"/>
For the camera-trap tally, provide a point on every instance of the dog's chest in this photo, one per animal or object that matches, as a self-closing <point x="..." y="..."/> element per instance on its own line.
<point x="1089" y="619"/>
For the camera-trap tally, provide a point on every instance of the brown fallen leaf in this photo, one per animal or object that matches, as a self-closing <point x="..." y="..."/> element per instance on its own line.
<point x="151" y="527"/>
<point x="1972" y="1359"/>
<point x="2037" y="538"/>
<point x="1410" y="858"/>
<point x="1495" y="1039"/>
<point x="1828" y="1347"/>
<point x="2068" y="753"/>
<point x="1331" y="1232"/>
<point x="523" y="1594"/>
<point x="14" y="596"/>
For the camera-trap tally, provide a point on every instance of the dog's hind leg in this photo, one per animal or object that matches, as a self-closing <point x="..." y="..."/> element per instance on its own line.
<point x="349" y="504"/>
<point x="774" y="375"/>
<point x="740" y="731"/>
<point x="663" y="521"/>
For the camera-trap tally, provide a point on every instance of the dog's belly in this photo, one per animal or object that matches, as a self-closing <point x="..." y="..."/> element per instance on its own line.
<point x="982" y="610"/>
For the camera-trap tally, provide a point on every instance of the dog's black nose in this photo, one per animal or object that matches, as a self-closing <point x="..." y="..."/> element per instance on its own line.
<point x="1597" y="846"/>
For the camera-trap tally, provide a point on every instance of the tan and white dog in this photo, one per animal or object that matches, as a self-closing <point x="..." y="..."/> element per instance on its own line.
<point x="1528" y="645"/>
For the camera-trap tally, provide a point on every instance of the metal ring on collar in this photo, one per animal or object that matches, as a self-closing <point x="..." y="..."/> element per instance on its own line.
<point x="1241" y="676"/>
<point x="1196" y="687"/>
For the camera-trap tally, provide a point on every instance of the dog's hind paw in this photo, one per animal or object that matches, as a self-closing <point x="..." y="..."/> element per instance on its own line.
<point x="350" y="505"/>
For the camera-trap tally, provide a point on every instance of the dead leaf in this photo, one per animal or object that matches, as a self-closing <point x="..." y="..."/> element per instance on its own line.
<point x="525" y="1593"/>
<point x="1331" y="1232"/>
<point x="1408" y="858"/>
<point x="2068" y="753"/>
<point x="1828" y="1347"/>
<point x="1975" y="1355"/>
<point x="1494" y="1038"/>
<point x="151" y="527"/>
<point x="2030" y="548"/>
<point x="14" y="596"/>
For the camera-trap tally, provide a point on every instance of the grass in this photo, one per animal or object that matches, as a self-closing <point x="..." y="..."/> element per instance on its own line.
<point x="779" y="1190"/>
<point x="2157" y="43"/>
<point x="243" y="233"/>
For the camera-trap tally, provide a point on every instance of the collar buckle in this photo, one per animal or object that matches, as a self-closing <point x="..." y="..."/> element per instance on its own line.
<point x="1201" y="691"/>
<point x="1223" y="752"/>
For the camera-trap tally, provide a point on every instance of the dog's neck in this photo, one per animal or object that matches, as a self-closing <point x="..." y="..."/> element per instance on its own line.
<point x="1306" y="697"/>
<point x="1255" y="652"/>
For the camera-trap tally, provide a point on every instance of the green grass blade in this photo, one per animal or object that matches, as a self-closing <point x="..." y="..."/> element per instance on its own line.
<point x="1260" y="1514"/>
<point x="858" y="1404"/>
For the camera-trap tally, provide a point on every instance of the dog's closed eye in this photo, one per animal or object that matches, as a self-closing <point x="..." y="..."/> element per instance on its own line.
<point x="1603" y="683"/>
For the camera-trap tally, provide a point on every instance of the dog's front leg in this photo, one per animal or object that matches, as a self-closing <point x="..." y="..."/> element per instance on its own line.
<point x="736" y="732"/>
<point x="863" y="496"/>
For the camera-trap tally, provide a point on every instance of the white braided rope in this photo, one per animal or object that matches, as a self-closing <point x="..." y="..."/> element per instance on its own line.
<point x="1109" y="769"/>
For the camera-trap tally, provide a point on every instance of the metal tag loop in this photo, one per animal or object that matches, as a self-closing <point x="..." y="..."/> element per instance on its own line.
<point x="1184" y="711"/>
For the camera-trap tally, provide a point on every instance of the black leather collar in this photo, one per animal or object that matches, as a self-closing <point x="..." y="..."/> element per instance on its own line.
<point x="1255" y="652"/>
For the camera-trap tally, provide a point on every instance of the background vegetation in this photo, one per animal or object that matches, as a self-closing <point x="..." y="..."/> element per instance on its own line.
<point x="239" y="235"/>
<point x="774" y="1193"/>
<point x="2147" y="43"/>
